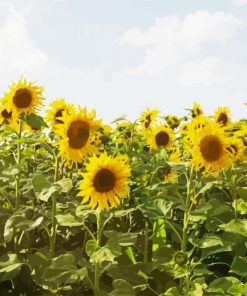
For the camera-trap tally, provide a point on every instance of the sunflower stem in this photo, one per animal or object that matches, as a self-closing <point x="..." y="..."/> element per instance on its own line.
<point x="186" y="217"/>
<point x="54" y="205"/>
<point x="145" y="253"/>
<point x="18" y="162"/>
<point x="97" y="264"/>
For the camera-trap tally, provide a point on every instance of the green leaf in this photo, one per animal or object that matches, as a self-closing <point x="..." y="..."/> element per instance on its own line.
<point x="236" y="226"/>
<point x="221" y="285"/>
<point x="207" y="241"/>
<point x="65" y="184"/>
<point x="68" y="220"/>
<point x="239" y="266"/>
<point x="39" y="183"/>
<point x="122" y="288"/>
<point x="91" y="247"/>
<point x="159" y="234"/>
<point x="35" y="121"/>
<point x="9" y="272"/>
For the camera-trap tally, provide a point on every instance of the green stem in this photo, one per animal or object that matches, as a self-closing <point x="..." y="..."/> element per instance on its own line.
<point x="186" y="212"/>
<point x="145" y="253"/>
<point x="54" y="205"/>
<point x="97" y="265"/>
<point x="18" y="162"/>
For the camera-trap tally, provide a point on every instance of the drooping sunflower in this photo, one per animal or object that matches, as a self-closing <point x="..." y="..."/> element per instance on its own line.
<point x="222" y="116"/>
<point x="235" y="149"/>
<point x="160" y="136"/>
<point x="209" y="149"/>
<point x="55" y="113"/>
<point x="105" y="181"/>
<point x="23" y="97"/>
<point x="196" y="110"/>
<point x="77" y="135"/>
<point x="148" y="118"/>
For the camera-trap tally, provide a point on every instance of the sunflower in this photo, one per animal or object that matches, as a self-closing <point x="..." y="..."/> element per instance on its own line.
<point x="58" y="107"/>
<point x="235" y="149"/>
<point x="8" y="117"/>
<point x="196" y="110"/>
<point x="160" y="136"/>
<point x="173" y="121"/>
<point x="23" y="97"/>
<point x="148" y="118"/>
<point x="209" y="149"/>
<point x="105" y="181"/>
<point x="222" y="116"/>
<point x="77" y="135"/>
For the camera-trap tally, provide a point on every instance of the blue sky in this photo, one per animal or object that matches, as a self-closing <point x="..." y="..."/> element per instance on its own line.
<point x="123" y="56"/>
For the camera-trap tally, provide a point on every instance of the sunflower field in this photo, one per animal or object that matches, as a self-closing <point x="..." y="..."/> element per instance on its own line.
<point x="157" y="206"/>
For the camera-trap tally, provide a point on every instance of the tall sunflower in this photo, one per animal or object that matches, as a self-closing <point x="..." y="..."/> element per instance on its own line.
<point x="209" y="149"/>
<point x="160" y="136"/>
<point x="77" y="135"/>
<point x="23" y="97"/>
<point x="148" y="118"/>
<point x="105" y="181"/>
<point x="58" y="107"/>
<point x="222" y="116"/>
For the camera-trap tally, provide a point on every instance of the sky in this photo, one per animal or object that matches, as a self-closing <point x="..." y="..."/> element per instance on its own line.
<point x="122" y="56"/>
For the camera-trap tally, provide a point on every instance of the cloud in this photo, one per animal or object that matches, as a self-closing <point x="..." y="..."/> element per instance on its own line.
<point x="239" y="2"/>
<point x="18" y="52"/>
<point x="172" y="41"/>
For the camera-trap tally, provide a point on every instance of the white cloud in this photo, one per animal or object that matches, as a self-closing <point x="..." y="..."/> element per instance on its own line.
<point x="239" y="2"/>
<point x="172" y="41"/>
<point x="18" y="52"/>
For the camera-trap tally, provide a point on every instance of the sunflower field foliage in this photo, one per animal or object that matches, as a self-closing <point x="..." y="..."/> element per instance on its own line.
<point x="155" y="206"/>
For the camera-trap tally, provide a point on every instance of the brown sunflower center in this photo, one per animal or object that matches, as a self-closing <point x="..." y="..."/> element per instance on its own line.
<point x="211" y="148"/>
<point x="104" y="180"/>
<point x="162" y="139"/>
<point x="148" y="121"/>
<point x="59" y="113"/>
<point x="6" y="114"/>
<point x="222" y="118"/>
<point x="78" y="134"/>
<point x="22" y="98"/>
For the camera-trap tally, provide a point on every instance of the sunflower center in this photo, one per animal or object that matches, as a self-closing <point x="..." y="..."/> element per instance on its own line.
<point x="22" y="98"/>
<point x="59" y="113"/>
<point x="222" y="118"/>
<point x="211" y="148"/>
<point x="6" y="114"/>
<point x="162" y="139"/>
<point x="148" y="121"/>
<point x="104" y="180"/>
<point x="78" y="134"/>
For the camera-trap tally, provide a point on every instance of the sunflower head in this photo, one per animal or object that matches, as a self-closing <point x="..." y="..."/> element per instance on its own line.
<point x="77" y="135"/>
<point x="55" y="113"/>
<point x="209" y="149"/>
<point x="173" y="121"/>
<point x="148" y="118"/>
<point x="105" y="181"/>
<point x="196" y="110"/>
<point x="23" y="97"/>
<point x="160" y="137"/>
<point x="222" y="116"/>
<point x="8" y="117"/>
<point x="235" y="149"/>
